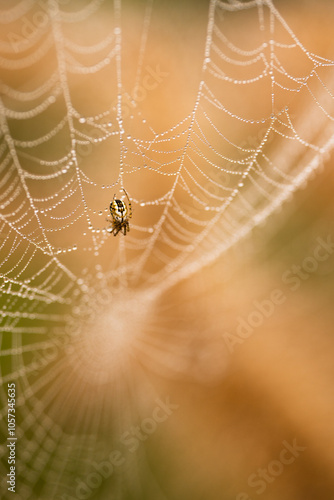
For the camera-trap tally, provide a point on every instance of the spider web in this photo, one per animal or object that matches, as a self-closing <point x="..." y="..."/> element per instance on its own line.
<point x="73" y="135"/>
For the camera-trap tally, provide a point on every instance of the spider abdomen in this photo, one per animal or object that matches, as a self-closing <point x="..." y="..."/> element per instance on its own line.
<point x="118" y="208"/>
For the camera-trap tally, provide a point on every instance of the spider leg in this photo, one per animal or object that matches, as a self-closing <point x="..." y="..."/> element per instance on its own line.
<point x="129" y="204"/>
<point x="111" y="229"/>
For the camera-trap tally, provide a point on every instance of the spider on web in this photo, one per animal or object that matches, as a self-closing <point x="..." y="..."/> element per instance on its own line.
<point x="120" y="214"/>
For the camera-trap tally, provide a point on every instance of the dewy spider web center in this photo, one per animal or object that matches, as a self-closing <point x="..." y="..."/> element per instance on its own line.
<point x="103" y="335"/>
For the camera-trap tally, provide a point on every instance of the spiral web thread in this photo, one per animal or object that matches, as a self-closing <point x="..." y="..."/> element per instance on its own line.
<point x="221" y="170"/>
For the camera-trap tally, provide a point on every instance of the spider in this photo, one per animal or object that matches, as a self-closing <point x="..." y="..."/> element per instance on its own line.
<point x="120" y="214"/>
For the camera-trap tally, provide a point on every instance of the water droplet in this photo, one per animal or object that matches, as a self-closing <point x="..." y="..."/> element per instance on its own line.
<point x="82" y="120"/>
